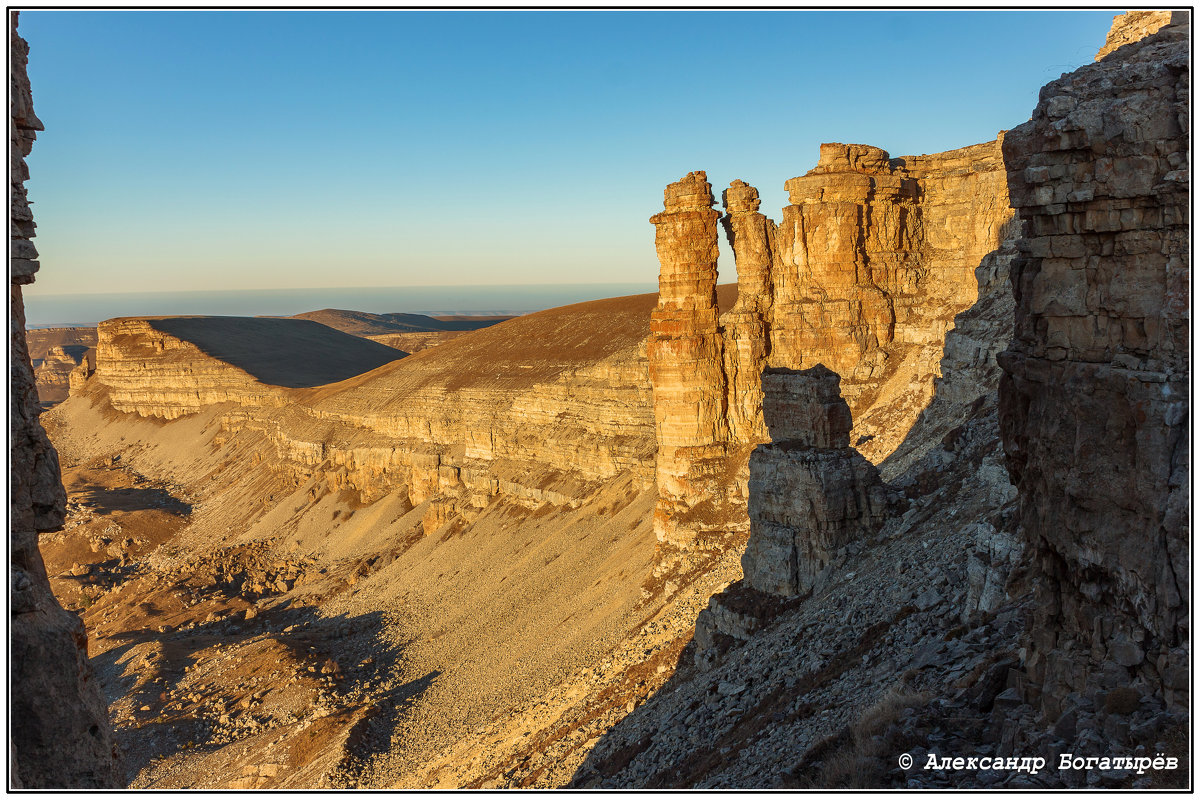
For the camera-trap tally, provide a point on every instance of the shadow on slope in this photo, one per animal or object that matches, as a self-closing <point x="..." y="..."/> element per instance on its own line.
<point x="293" y="353"/>
<point x="212" y="689"/>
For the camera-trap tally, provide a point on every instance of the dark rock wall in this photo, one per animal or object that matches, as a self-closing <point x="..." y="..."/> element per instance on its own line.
<point x="1095" y="399"/>
<point x="59" y="724"/>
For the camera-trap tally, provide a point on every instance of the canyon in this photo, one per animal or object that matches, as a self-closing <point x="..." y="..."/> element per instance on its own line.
<point x="916" y="483"/>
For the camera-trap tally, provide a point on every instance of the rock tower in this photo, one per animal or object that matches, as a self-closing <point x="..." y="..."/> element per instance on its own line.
<point x="873" y="259"/>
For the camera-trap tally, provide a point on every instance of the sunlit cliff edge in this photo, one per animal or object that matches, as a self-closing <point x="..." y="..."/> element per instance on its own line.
<point x="916" y="484"/>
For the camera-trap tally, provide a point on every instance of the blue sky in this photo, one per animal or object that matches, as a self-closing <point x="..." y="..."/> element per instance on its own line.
<point x="253" y="149"/>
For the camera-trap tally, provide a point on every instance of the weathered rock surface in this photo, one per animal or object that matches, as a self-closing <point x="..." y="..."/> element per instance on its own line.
<point x="1133" y="26"/>
<point x="811" y="494"/>
<point x="873" y="259"/>
<point x="1094" y="403"/>
<point x="812" y="498"/>
<point x="61" y="737"/>
<point x="53" y="374"/>
<point x="685" y="352"/>
<point x="171" y="366"/>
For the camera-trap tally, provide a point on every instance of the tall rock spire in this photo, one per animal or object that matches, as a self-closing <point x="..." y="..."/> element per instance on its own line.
<point x="685" y="352"/>
<point x="747" y="343"/>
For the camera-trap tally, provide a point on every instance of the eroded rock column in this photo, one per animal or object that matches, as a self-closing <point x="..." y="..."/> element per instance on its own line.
<point x="1094" y="405"/>
<point x="61" y="737"/>
<point x="811" y="494"/>
<point x="685" y="354"/>
<point x="752" y="237"/>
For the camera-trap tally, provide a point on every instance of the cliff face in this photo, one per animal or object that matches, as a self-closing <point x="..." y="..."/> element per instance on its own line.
<point x="537" y="409"/>
<point x="1133" y="26"/>
<point x="873" y="259"/>
<point x="1095" y="399"/>
<point x="60" y="731"/>
<point x="169" y="367"/>
<point x="53" y="373"/>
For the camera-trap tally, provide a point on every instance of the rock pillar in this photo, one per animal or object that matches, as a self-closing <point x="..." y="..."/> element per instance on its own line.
<point x="752" y="237"/>
<point x="811" y="494"/>
<point x="685" y="354"/>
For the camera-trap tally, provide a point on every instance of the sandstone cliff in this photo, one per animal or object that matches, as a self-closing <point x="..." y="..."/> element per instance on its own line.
<point x="1095" y="399"/>
<point x="54" y="371"/>
<point x="1133" y="26"/>
<point x="538" y="408"/>
<point x="171" y="366"/>
<point x="873" y="259"/>
<point x="1048" y="615"/>
<point x="60" y="731"/>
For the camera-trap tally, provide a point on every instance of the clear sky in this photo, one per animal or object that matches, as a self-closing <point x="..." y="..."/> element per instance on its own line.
<point x="256" y="149"/>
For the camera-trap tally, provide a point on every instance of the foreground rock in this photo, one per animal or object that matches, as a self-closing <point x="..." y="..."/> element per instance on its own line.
<point x="1095" y="400"/>
<point x="61" y="737"/>
<point x="811" y="494"/>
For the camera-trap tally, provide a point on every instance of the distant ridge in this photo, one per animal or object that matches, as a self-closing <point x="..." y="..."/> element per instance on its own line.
<point x="362" y="323"/>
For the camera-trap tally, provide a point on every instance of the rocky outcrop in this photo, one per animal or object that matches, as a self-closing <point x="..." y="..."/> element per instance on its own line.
<point x="1095" y="399"/>
<point x="873" y="259"/>
<point x="812" y="499"/>
<point x="53" y="374"/>
<point x="171" y="366"/>
<point x="1133" y="26"/>
<point x="60" y="732"/>
<point x="154" y="374"/>
<point x="86" y="368"/>
<point x="811" y="494"/>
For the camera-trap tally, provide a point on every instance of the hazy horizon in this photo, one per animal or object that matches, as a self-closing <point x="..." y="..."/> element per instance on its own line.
<point x="87" y="308"/>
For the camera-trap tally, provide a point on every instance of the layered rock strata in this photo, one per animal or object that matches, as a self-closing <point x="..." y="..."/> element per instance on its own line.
<point x="811" y="494"/>
<point x="537" y="409"/>
<point x="60" y="733"/>
<point x="171" y="366"/>
<point x="685" y="353"/>
<point x="53" y="374"/>
<point x="1133" y="26"/>
<point x="873" y="259"/>
<point x="1095" y="400"/>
